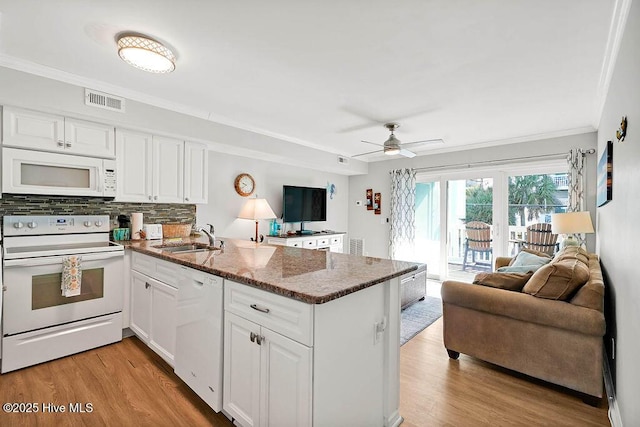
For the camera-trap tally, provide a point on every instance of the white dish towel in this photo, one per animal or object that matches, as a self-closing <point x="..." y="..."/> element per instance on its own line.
<point x="71" y="276"/>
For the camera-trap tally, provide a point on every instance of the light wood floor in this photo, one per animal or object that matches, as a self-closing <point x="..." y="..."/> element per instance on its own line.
<point x="129" y="385"/>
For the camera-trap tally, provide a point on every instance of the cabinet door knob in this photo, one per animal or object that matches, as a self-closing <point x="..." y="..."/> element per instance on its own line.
<point x="155" y="197"/>
<point x="252" y="337"/>
<point x="186" y="199"/>
<point x="260" y="309"/>
<point x="150" y="198"/>
<point x="259" y="339"/>
<point x="146" y="285"/>
<point x="68" y="145"/>
<point x="60" y="144"/>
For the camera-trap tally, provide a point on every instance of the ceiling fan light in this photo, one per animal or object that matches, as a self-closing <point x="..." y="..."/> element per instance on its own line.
<point x="146" y="54"/>
<point x="391" y="151"/>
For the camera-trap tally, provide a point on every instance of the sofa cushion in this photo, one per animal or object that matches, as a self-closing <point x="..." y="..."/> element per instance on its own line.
<point x="558" y="280"/>
<point x="508" y="281"/>
<point x="573" y="252"/>
<point x="526" y="261"/>
<point x="591" y="295"/>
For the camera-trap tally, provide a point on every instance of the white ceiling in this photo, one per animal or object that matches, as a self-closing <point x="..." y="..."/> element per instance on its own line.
<point x="328" y="74"/>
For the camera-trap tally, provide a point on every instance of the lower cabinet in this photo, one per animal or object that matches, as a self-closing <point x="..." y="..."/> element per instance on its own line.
<point x="267" y="376"/>
<point x="153" y="314"/>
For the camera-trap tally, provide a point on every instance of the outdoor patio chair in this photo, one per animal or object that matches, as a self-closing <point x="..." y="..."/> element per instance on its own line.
<point x="478" y="241"/>
<point x="540" y="238"/>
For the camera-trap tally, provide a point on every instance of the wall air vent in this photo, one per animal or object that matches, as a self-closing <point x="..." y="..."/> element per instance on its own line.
<point x="343" y="160"/>
<point x="356" y="246"/>
<point x="103" y="100"/>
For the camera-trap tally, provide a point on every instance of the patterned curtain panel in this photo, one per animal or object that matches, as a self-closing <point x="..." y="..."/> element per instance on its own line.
<point x="576" y="185"/>
<point x="576" y="180"/>
<point x="403" y="215"/>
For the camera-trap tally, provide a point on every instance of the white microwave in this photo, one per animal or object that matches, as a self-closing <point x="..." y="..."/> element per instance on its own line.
<point x="38" y="172"/>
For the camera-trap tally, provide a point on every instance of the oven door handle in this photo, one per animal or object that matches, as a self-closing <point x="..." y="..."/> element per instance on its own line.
<point x="51" y="260"/>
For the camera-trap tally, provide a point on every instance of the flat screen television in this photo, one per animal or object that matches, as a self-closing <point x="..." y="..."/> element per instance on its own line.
<point x="303" y="204"/>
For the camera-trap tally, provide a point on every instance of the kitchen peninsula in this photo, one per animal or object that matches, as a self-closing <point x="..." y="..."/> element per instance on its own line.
<point x="311" y="338"/>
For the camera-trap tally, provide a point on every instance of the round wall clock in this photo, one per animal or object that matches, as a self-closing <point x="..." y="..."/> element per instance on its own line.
<point x="244" y="184"/>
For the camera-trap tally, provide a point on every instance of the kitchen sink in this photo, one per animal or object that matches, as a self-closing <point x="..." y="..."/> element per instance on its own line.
<point x="183" y="249"/>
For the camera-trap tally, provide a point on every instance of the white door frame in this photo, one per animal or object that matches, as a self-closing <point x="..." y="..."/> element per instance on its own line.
<point x="500" y="175"/>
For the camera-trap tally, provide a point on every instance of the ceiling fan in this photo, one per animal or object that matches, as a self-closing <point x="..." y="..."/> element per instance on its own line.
<point x="392" y="146"/>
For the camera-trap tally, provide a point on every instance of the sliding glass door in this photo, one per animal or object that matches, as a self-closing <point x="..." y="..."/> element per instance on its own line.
<point x="464" y="220"/>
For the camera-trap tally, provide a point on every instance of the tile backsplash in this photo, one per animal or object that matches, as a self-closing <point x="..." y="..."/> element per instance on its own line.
<point x="154" y="213"/>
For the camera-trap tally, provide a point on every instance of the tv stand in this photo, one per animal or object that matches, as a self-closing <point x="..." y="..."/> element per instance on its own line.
<point x="332" y="241"/>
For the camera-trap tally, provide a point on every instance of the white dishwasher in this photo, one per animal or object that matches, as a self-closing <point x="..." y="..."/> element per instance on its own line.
<point x="198" y="357"/>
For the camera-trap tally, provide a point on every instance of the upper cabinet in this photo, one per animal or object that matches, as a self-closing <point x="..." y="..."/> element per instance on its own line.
<point x="168" y="170"/>
<point x="156" y="169"/>
<point x="134" y="166"/>
<point x="49" y="132"/>
<point x="196" y="172"/>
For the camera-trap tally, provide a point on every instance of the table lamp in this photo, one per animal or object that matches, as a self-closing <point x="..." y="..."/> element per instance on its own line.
<point x="256" y="209"/>
<point x="569" y="224"/>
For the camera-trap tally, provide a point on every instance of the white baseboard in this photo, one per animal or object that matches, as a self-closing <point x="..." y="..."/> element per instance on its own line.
<point x="614" y="411"/>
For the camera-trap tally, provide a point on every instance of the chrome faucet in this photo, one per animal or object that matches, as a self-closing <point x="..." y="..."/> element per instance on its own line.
<point x="210" y="235"/>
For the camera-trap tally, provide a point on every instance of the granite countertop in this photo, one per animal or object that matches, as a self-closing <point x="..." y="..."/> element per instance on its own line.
<point x="311" y="276"/>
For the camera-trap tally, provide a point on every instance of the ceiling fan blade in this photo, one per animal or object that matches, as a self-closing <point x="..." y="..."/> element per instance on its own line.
<point x="372" y="143"/>
<point x="407" y="153"/>
<point x="424" y="142"/>
<point x="364" y="154"/>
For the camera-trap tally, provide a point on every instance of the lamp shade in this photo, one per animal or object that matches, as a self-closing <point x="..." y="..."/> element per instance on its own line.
<point x="256" y="209"/>
<point x="571" y="223"/>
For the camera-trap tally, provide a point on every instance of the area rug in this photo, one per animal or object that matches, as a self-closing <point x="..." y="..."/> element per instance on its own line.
<point x="418" y="316"/>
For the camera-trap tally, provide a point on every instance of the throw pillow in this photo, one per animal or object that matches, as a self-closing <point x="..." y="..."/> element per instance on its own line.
<point x="573" y="252"/>
<point x="508" y="281"/>
<point x="534" y="252"/>
<point x="518" y="269"/>
<point x="558" y="280"/>
<point x="525" y="261"/>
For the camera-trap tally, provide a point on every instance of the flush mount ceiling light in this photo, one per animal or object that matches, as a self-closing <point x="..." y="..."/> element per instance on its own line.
<point x="146" y="54"/>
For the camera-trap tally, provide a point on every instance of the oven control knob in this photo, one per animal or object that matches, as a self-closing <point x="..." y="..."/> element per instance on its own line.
<point x="98" y="223"/>
<point x="87" y="223"/>
<point x="18" y="224"/>
<point x="32" y="224"/>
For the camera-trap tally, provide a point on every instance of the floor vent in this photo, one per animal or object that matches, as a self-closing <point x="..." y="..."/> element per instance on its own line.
<point x="103" y="100"/>
<point x="356" y="247"/>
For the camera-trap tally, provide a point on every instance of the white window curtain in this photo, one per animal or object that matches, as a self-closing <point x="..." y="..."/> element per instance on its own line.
<point x="576" y="180"/>
<point x="403" y="215"/>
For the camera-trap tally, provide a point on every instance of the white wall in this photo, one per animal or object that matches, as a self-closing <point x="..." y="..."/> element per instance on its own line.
<point x="38" y="93"/>
<point x="617" y="223"/>
<point x="225" y="204"/>
<point x="374" y="228"/>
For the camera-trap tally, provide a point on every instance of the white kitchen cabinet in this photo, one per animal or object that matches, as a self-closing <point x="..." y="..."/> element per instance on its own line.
<point x="140" y="322"/>
<point x="196" y="172"/>
<point x="150" y="168"/>
<point x="134" y="166"/>
<point x="198" y="356"/>
<point x="288" y="363"/>
<point x="50" y="132"/>
<point x="332" y="242"/>
<point x="168" y="170"/>
<point x="153" y="304"/>
<point x="267" y="376"/>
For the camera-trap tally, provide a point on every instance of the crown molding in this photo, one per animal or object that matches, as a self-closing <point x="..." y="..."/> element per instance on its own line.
<point x="614" y="40"/>
<point x="492" y="143"/>
<point x="76" y="80"/>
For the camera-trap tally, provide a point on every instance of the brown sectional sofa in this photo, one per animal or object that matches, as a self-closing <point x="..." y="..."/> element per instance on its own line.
<point x="553" y="340"/>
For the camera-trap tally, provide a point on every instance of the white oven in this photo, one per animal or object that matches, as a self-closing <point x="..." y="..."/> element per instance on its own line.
<point x="39" y="323"/>
<point x="38" y="172"/>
